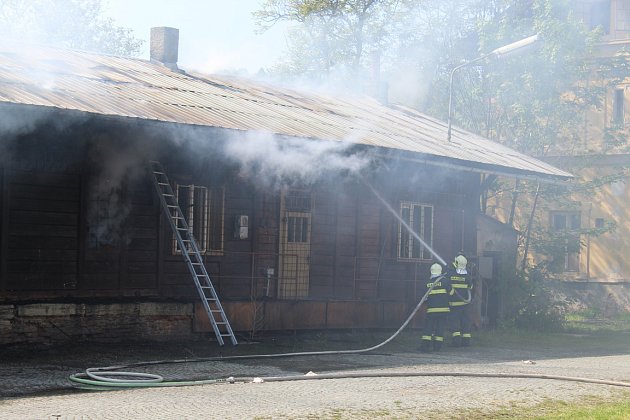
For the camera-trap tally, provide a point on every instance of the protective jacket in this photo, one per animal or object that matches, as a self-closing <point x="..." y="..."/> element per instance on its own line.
<point x="462" y="287"/>
<point x="439" y="297"/>
<point x="438" y="309"/>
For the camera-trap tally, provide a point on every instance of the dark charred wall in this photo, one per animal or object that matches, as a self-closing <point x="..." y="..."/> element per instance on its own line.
<point x="81" y="222"/>
<point x="41" y="206"/>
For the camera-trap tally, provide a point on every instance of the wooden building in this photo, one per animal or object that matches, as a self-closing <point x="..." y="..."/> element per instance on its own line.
<point x="306" y="208"/>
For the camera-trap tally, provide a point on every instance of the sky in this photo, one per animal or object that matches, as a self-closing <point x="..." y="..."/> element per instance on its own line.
<point x="214" y="35"/>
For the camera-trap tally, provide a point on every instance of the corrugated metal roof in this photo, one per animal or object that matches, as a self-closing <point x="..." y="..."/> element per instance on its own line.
<point x="135" y="88"/>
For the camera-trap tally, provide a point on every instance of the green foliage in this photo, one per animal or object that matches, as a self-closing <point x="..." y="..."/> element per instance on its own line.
<point x="75" y="24"/>
<point x="332" y="38"/>
<point x="529" y="304"/>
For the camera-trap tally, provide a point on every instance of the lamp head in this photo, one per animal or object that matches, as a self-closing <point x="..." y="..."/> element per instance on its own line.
<point x="515" y="46"/>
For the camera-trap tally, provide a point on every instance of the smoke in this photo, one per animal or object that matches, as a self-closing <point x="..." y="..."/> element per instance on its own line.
<point x="272" y="160"/>
<point x="116" y="167"/>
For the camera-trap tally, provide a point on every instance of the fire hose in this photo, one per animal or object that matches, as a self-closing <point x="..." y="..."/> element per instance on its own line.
<point x="108" y="378"/>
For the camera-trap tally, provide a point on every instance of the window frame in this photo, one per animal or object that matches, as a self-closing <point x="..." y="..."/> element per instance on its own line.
<point x="571" y="263"/>
<point x="406" y="241"/>
<point x="210" y="236"/>
<point x="619" y="107"/>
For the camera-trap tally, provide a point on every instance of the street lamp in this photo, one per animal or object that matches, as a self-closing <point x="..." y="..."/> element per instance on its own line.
<point x="495" y="53"/>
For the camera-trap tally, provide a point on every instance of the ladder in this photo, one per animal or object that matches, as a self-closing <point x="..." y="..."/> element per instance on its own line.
<point x="191" y="254"/>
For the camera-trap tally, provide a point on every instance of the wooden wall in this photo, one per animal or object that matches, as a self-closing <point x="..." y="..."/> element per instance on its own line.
<point x="57" y="243"/>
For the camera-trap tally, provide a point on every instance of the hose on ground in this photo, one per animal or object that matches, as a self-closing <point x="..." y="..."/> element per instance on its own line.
<point x="109" y="378"/>
<point x="104" y="377"/>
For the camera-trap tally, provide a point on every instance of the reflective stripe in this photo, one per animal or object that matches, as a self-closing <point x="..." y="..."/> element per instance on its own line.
<point x="466" y="335"/>
<point x="426" y="337"/>
<point x="460" y="286"/>
<point x="437" y="292"/>
<point x="438" y="338"/>
<point x="458" y="303"/>
<point x="457" y="334"/>
<point x="438" y="310"/>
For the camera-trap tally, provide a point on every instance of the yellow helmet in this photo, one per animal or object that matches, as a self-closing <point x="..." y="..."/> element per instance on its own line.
<point x="436" y="270"/>
<point x="460" y="262"/>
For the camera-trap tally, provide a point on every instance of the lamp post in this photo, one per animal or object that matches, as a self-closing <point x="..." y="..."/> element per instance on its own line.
<point x="501" y="51"/>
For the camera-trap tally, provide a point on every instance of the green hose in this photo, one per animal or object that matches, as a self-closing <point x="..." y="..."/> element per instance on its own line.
<point x="106" y="378"/>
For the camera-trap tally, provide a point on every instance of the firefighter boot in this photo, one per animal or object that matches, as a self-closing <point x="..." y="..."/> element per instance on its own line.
<point x="457" y="340"/>
<point x="425" y="345"/>
<point x="437" y="344"/>
<point x="466" y="340"/>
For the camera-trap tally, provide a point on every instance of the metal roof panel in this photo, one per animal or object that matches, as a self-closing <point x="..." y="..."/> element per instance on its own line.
<point x="135" y="88"/>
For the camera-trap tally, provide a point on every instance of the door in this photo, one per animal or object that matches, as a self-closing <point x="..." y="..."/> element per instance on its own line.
<point x="295" y="244"/>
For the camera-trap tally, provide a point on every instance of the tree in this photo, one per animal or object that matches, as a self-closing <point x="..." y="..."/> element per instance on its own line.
<point x="534" y="101"/>
<point x="333" y="38"/>
<point x="75" y="24"/>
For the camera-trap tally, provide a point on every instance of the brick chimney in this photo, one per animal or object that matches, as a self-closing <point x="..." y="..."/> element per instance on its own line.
<point x="164" y="46"/>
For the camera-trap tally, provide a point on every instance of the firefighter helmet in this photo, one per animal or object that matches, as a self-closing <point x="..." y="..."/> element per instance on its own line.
<point x="460" y="262"/>
<point x="436" y="270"/>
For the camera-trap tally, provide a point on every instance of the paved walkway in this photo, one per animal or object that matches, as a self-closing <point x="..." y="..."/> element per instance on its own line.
<point x="39" y="389"/>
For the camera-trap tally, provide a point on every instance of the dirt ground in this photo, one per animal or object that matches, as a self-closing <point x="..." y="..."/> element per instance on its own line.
<point x="381" y="384"/>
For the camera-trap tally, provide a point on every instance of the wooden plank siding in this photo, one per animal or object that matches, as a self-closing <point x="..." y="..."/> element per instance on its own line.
<point x="42" y="231"/>
<point x="52" y="215"/>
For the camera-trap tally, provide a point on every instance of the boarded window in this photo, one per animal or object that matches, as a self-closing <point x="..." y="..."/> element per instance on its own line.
<point x="203" y="209"/>
<point x="107" y="210"/>
<point x="416" y="233"/>
<point x="566" y="225"/>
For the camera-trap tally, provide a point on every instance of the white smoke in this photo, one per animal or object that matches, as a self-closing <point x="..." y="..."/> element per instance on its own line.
<point x="270" y="159"/>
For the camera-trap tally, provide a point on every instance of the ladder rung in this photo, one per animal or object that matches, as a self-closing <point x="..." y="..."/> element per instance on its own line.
<point x="190" y="252"/>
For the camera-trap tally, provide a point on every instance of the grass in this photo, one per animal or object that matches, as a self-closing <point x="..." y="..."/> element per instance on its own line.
<point x="587" y="408"/>
<point x="584" y="321"/>
<point x="591" y="408"/>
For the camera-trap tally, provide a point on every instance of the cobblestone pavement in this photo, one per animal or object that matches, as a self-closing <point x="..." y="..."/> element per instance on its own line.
<point x="38" y="388"/>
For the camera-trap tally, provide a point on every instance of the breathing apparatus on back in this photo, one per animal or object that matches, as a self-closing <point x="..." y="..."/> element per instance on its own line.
<point x="459" y="263"/>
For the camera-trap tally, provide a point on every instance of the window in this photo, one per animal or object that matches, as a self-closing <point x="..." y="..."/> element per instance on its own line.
<point x="566" y="225"/>
<point x="203" y="211"/>
<point x="418" y="219"/>
<point x="618" y="107"/>
<point x="297" y="200"/>
<point x="297" y="229"/>
<point x="599" y="16"/>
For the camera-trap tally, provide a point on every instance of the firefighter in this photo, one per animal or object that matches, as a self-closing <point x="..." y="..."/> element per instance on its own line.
<point x="437" y="310"/>
<point x="460" y="321"/>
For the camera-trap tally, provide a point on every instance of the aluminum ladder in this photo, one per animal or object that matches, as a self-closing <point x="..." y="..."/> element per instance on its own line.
<point x="191" y="254"/>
